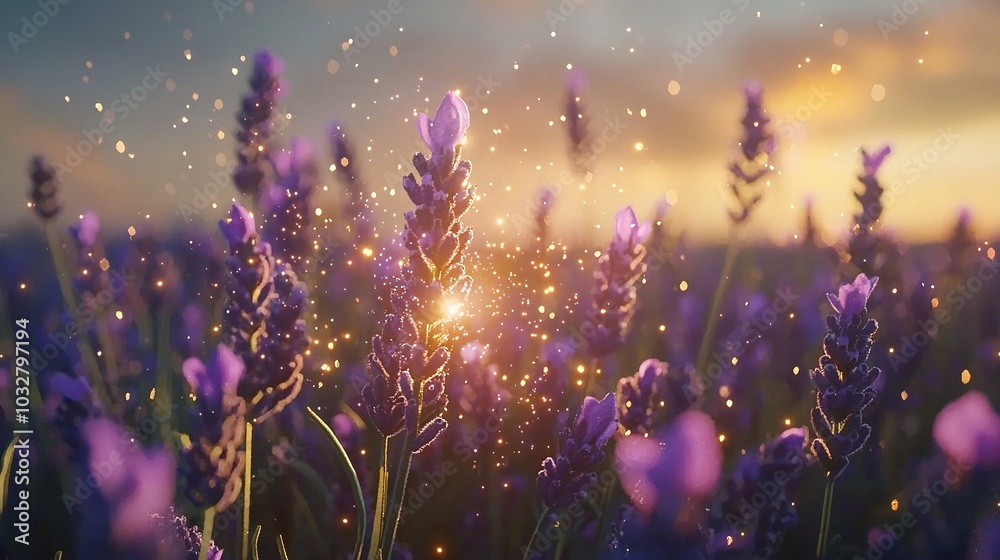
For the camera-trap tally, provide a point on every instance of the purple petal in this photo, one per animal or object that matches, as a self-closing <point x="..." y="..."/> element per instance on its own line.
<point x="86" y="229"/>
<point x="600" y="416"/>
<point x="625" y="221"/>
<point x="449" y="125"/>
<point x="227" y="367"/>
<point x="968" y="430"/>
<point x="240" y="226"/>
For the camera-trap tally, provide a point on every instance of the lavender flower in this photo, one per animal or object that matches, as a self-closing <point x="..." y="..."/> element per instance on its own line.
<point x="756" y="147"/>
<point x="639" y="395"/>
<point x="262" y="318"/>
<point x="253" y="169"/>
<point x="577" y="121"/>
<point x="844" y="381"/>
<point x="543" y="216"/>
<point x="607" y="323"/>
<point x="865" y="245"/>
<point x="183" y="540"/>
<point x="968" y="430"/>
<point x="564" y="478"/>
<point x="140" y="485"/>
<point x="758" y="510"/>
<point x="407" y="363"/>
<point x="44" y="188"/>
<point x="288" y="205"/>
<point x="212" y="463"/>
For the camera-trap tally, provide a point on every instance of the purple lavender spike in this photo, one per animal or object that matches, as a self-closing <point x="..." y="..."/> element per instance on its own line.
<point x="212" y="464"/>
<point x="255" y="117"/>
<point x="608" y="321"/>
<point x="45" y="187"/>
<point x="866" y="244"/>
<point x="411" y="350"/>
<point x="756" y="147"/>
<point x="565" y="477"/>
<point x="844" y="381"/>
<point x="287" y="205"/>
<point x="263" y="319"/>
<point x="577" y="121"/>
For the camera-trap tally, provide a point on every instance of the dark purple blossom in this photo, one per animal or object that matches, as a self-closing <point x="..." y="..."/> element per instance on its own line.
<point x="409" y="355"/>
<point x="639" y="395"/>
<point x="141" y="484"/>
<point x="263" y="319"/>
<point x="183" y="541"/>
<point x="968" y="430"/>
<point x="253" y="170"/>
<point x="287" y="205"/>
<point x="866" y="246"/>
<point x="607" y="323"/>
<point x="581" y="152"/>
<point x="756" y="147"/>
<point x="565" y="477"/>
<point x="844" y="381"/>
<point x="44" y="190"/>
<point x="212" y="463"/>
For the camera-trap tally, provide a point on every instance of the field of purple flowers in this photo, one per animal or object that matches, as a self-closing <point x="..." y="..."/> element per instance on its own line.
<point x="276" y="388"/>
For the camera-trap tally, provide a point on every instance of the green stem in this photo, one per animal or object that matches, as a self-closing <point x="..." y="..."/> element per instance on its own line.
<point x="86" y="350"/>
<point x="281" y="549"/>
<point x="247" y="468"/>
<point x="705" y="347"/>
<point x="352" y="477"/>
<point x="378" y="521"/>
<point x="400" y="479"/>
<point x="206" y="533"/>
<point x="537" y="531"/>
<point x="254" y="554"/>
<point x="824" y="523"/>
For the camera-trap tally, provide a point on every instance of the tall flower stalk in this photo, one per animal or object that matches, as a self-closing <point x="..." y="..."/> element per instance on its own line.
<point x="406" y="396"/>
<point x="844" y="388"/>
<point x="255" y="119"/>
<point x="608" y="321"/>
<point x="565" y="477"/>
<point x="866" y="247"/>
<point x="747" y="171"/>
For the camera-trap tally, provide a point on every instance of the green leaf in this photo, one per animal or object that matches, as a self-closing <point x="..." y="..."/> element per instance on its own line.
<point x="281" y="549"/>
<point x="8" y="460"/>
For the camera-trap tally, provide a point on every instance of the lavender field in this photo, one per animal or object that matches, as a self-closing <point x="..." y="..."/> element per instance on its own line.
<point x="568" y="280"/>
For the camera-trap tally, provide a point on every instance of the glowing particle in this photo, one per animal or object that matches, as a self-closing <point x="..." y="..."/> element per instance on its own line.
<point x="393" y="51"/>
<point x="878" y="92"/>
<point x="120" y="146"/>
<point x="835" y="69"/>
<point x="966" y="377"/>
<point x="99" y="107"/>
<point x="332" y="66"/>
<point x="840" y="37"/>
<point x="673" y="88"/>
<point x="683" y="286"/>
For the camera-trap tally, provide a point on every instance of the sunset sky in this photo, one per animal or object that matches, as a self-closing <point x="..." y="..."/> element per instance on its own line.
<point x="926" y="79"/>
